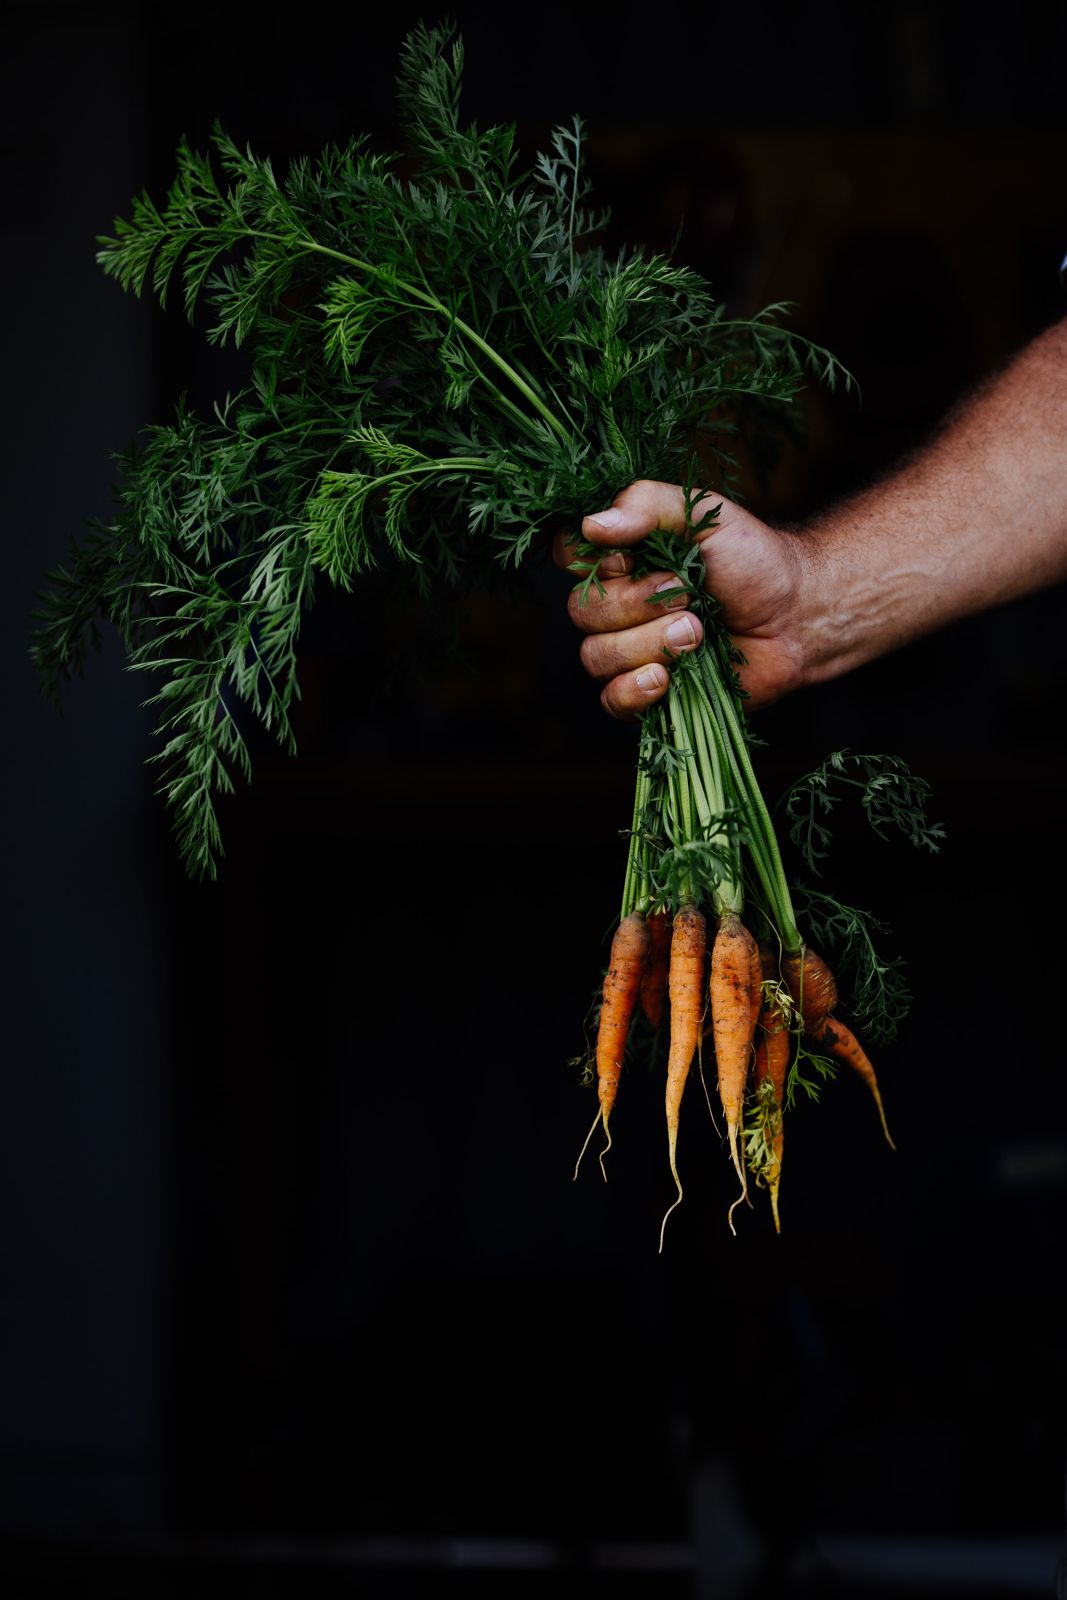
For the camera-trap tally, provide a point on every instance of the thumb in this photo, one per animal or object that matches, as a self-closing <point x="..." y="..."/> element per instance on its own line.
<point x="636" y="512"/>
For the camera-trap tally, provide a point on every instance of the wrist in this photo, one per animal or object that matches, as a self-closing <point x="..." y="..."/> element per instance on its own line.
<point x="865" y="586"/>
<point x="813" y="640"/>
<point x="808" y="644"/>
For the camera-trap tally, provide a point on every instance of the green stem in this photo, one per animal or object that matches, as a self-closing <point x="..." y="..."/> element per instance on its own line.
<point x="714" y="755"/>
<point x="632" y="884"/>
<point x="768" y="861"/>
<point x="529" y="425"/>
<point x="702" y="781"/>
<point x="434" y="304"/>
<point x="681" y="775"/>
<point x="443" y="465"/>
<point x="708" y="756"/>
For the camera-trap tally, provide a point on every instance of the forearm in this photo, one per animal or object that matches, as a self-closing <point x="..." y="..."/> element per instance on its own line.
<point x="976" y="518"/>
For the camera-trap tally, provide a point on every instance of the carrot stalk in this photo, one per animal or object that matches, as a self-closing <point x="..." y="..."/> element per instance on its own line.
<point x="686" y="986"/>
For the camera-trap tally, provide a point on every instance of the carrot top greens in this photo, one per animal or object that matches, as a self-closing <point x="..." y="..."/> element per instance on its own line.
<point x="441" y="368"/>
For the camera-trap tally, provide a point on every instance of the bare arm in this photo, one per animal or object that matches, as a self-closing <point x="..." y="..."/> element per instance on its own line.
<point x="977" y="517"/>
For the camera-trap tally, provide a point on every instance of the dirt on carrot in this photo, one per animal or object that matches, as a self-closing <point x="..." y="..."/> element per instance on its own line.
<point x="654" y="981"/>
<point x="811" y="984"/>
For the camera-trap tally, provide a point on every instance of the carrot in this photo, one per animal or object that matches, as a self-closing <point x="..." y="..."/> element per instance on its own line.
<point x="734" y="962"/>
<point x="772" y="1062"/>
<point x="755" y="986"/>
<point x="629" y="953"/>
<point x="686" y="985"/>
<point x="811" y="984"/>
<point x="842" y="1042"/>
<point x="654" y="981"/>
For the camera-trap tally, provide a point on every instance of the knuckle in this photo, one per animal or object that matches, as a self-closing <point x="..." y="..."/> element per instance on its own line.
<point x="654" y="503"/>
<point x="579" y="608"/>
<point x="639" y="496"/>
<point x="591" y="656"/>
<point x="587" y="656"/>
<point x="609" y="699"/>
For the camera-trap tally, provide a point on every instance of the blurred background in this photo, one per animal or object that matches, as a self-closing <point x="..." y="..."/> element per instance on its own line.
<point x="298" y="1295"/>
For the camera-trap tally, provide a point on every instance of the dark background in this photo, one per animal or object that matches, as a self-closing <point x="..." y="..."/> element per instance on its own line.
<point x="298" y="1296"/>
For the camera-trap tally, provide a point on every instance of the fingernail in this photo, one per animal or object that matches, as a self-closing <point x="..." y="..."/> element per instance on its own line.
<point x="616" y="562"/>
<point x="648" y="678"/>
<point x="606" y="519"/>
<point x="677" y="600"/>
<point x="681" y="633"/>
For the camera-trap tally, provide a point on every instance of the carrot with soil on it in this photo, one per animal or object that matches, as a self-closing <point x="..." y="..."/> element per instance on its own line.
<point x="773" y="1049"/>
<point x="760" y="965"/>
<point x="810" y="983"/>
<point x="686" y="986"/>
<point x="626" y="964"/>
<point x="735" y="981"/>
<point x="654" y="981"/>
<point x="842" y="1042"/>
<point x="812" y="986"/>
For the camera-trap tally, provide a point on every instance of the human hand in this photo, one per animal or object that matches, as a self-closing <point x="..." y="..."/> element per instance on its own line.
<point x="754" y="571"/>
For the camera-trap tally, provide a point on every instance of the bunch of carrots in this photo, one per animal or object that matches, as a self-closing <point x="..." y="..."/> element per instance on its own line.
<point x="709" y="935"/>
<point x="758" y="1004"/>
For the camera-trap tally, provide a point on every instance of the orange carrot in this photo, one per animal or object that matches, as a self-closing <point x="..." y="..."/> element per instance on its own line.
<point x="842" y="1042"/>
<point x="755" y="987"/>
<point x="811" y="984"/>
<point x="772" y="1061"/>
<point x="686" y="984"/>
<point x="629" y="953"/>
<point x="734" y="980"/>
<point x="654" y="981"/>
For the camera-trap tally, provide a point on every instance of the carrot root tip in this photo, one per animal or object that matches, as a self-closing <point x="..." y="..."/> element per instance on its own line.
<point x="666" y="1214"/>
<point x="676" y="1202"/>
<point x="735" y="1156"/>
<point x="885" y="1125"/>
<point x="607" y="1147"/>
<point x="588" y="1136"/>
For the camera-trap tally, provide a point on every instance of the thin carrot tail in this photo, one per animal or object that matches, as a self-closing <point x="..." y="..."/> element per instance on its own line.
<point x="881" y="1113"/>
<point x="730" y="1213"/>
<point x="670" y="1208"/>
<point x="704" y="1081"/>
<point x="672" y="1149"/>
<point x="607" y="1147"/>
<point x="735" y="1156"/>
<point x="842" y="1042"/>
<point x="773" y="1188"/>
<point x="585" y="1146"/>
<point x="739" y="1168"/>
<point x="707" y="1097"/>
